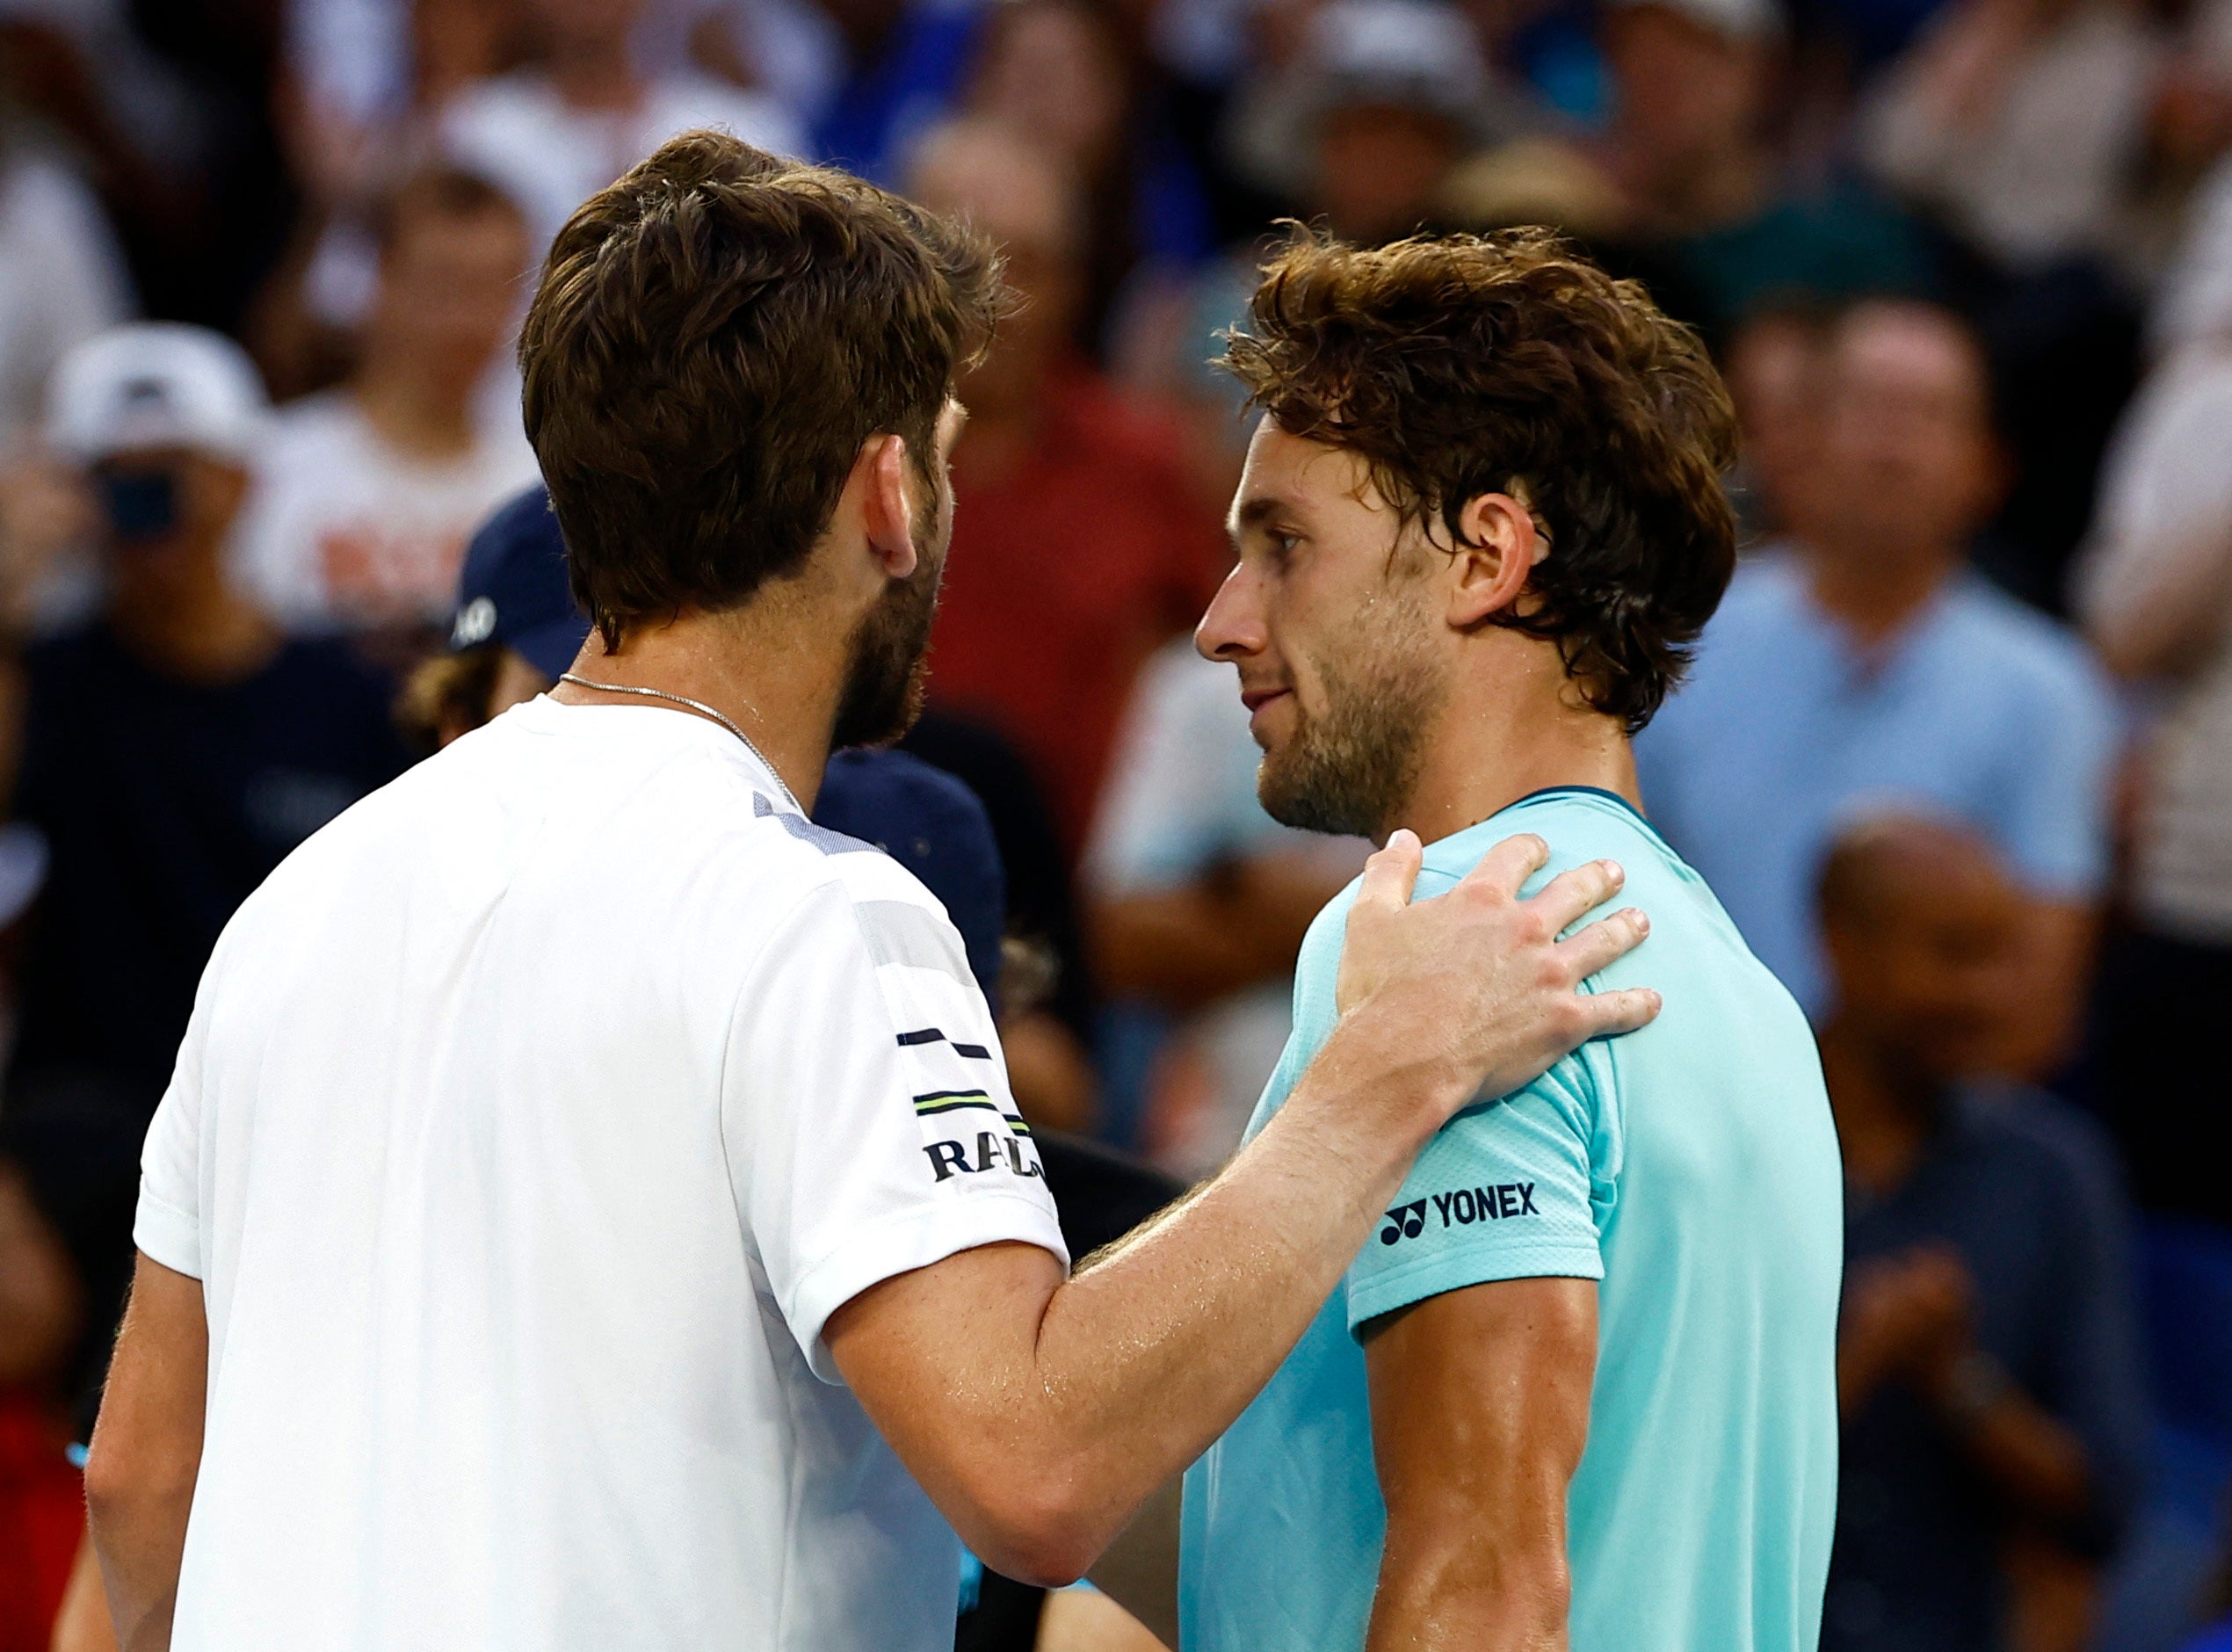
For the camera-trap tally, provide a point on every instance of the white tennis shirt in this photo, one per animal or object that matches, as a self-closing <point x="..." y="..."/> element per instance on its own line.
<point x="532" y="1118"/>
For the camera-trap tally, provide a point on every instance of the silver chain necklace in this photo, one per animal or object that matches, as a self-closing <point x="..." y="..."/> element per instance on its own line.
<point x="694" y="704"/>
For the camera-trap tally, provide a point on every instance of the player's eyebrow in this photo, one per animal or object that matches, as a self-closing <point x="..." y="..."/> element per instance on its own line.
<point x="1252" y="513"/>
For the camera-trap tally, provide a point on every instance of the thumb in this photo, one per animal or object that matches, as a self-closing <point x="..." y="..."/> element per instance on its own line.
<point x="1391" y="874"/>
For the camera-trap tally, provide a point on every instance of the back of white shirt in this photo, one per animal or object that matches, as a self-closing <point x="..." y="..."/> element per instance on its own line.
<point x="533" y="1118"/>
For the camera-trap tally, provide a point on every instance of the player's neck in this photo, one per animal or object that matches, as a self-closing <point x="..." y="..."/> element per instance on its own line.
<point x="774" y="677"/>
<point x="1499" y="741"/>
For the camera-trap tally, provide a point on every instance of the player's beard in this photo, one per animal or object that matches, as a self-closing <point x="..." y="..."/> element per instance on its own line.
<point x="1350" y="769"/>
<point x="887" y="673"/>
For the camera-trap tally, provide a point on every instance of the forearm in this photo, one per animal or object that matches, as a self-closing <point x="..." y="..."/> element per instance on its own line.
<point x="2163" y="614"/>
<point x="2035" y="1461"/>
<point x="1436" y="1595"/>
<point x="139" y="1535"/>
<point x="1154" y="1347"/>
<point x="146" y="1455"/>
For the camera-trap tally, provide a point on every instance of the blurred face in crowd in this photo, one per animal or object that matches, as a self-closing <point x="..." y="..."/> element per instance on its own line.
<point x="1909" y="467"/>
<point x="1027" y="202"/>
<point x="1925" y="941"/>
<point x="449" y="292"/>
<point x="1329" y="616"/>
<point x="165" y="511"/>
<point x="886" y="669"/>
<point x="1776" y="371"/>
<point x="1379" y="168"/>
<point x="571" y="27"/>
<point x="1685" y="94"/>
<point x="1050" y="70"/>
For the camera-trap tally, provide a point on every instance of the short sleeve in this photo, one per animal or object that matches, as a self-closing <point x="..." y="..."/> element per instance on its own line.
<point x="866" y="1112"/>
<point x="2056" y="814"/>
<point x="167" y="1226"/>
<point x="1514" y="1189"/>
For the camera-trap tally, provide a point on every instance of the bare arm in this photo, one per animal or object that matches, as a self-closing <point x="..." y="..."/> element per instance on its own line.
<point x="1480" y="1407"/>
<point x="2164" y="614"/>
<point x="1040" y="1414"/>
<point x="147" y="1452"/>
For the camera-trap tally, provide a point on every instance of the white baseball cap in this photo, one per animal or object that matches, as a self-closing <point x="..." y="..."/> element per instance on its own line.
<point x="157" y="384"/>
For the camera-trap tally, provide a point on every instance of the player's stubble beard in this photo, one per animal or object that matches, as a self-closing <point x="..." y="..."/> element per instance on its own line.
<point x="887" y="673"/>
<point x="1350" y="769"/>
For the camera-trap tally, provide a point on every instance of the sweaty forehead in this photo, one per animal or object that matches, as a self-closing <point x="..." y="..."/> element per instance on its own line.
<point x="1299" y="477"/>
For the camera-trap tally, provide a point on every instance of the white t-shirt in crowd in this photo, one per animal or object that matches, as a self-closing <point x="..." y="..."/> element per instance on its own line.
<point x="2165" y="528"/>
<point x="345" y="530"/>
<point x="533" y="1118"/>
<point x="518" y="133"/>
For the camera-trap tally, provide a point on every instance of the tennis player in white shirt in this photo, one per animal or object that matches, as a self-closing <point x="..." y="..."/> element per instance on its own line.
<point x="589" y="1211"/>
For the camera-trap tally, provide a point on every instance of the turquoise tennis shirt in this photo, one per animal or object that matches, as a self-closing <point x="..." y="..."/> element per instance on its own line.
<point x="1691" y="1169"/>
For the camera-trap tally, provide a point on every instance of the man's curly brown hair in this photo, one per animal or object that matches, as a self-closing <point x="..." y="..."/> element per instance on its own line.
<point x="1456" y="366"/>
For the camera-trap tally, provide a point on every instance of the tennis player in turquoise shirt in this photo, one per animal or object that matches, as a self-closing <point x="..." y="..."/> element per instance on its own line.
<point x="1579" y="1390"/>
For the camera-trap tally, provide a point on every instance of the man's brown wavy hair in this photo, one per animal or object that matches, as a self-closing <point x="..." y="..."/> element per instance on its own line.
<point x="1456" y="366"/>
<point x="714" y="337"/>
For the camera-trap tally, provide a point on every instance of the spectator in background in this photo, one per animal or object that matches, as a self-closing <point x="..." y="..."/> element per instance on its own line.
<point x="171" y="752"/>
<point x="1775" y="367"/>
<point x="1716" y="222"/>
<point x="1059" y="73"/>
<point x="42" y="1500"/>
<point x="2156" y="592"/>
<point x="1988" y="1365"/>
<point x="1079" y="544"/>
<point x="1865" y="663"/>
<point x="1197" y="903"/>
<point x="897" y="68"/>
<point x="369" y="491"/>
<point x="61" y="277"/>
<point x="1366" y="124"/>
<point x="2020" y="122"/>
<point x="554" y="134"/>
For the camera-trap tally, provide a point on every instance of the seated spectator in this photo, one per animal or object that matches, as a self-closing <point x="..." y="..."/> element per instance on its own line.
<point x="369" y="491"/>
<point x="1865" y="663"/>
<point x="1367" y="122"/>
<point x="1079" y="543"/>
<point x="2019" y="123"/>
<point x="41" y="1499"/>
<point x="1198" y="901"/>
<point x="1722" y="226"/>
<point x="1058" y="73"/>
<point x="2155" y="593"/>
<point x="171" y="750"/>
<point x="61" y="277"/>
<point x="556" y="134"/>
<point x="1987" y="1361"/>
<point x="1775" y="366"/>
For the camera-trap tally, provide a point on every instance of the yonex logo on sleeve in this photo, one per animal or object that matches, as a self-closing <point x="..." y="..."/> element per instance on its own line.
<point x="1403" y="1222"/>
<point x="1460" y="1207"/>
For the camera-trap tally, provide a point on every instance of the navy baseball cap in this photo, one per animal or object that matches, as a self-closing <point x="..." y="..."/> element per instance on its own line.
<point x="513" y="590"/>
<point x="933" y="825"/>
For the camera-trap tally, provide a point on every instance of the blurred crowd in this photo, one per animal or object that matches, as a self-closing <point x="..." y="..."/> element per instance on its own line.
<point x="1956" y="754"/>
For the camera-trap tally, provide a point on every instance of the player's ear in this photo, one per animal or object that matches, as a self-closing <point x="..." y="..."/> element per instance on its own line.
<point x="1498" y="544"/>
<point x="887" y="513"/>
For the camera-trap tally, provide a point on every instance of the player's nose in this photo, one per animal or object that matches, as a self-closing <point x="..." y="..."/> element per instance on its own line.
<point x="1233" y="628"/>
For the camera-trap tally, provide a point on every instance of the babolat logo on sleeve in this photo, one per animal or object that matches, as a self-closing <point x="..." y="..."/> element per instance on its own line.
<point x="1460" y="1207"/>
<point x="966" y="1153"/>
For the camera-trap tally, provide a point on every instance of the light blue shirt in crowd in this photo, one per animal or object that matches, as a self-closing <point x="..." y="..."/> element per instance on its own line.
<point x="1693" y="1169"/>
<point x="1981" y="709"/>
